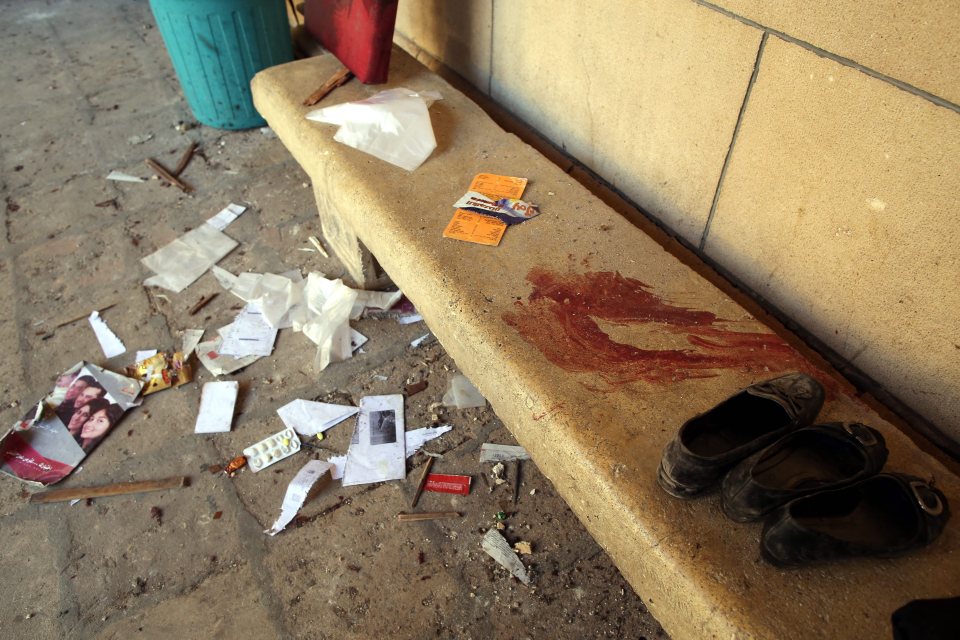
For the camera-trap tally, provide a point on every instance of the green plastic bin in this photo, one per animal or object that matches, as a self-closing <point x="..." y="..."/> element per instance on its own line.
<point x="217" y="46"/>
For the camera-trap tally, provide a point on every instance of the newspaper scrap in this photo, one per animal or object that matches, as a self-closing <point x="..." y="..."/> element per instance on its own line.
<point x="217" y="401"/>
<point x="442" y="483"/>
<point x="480" y="228"/>
<point x="250" y="335"/>
<point x="507" y="210"/>
<point x="178" y="264"/>
<point x="314" y="477"/>
<point x="462" y="394"/>
<point x="499" y="549"/>
<point x="109" y="342"/>
<point x="161" y="371"/>
<point x="57" y="434"/>
<point x="502" y="453"/>
<point x="413" y="442"/>
<point x="309" y="418"/>
<point x="378" y="449"/>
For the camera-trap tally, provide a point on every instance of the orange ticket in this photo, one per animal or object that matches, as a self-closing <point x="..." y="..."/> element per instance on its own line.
<point x="473" y="227"/>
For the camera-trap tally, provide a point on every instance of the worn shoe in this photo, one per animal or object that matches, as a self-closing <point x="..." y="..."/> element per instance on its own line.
<point x="884" y="516"/>
<point x="816" y="458"/>
<point x="709" y="444"/>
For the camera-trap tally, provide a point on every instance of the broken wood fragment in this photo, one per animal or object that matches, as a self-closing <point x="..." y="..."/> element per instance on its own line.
<point x="185" y="159"/>
<point x="165" y="174"/>
<point x="341" y="77"/>
<point x="84" y="316"/>
<point x="119" y="488"/>
<point x="432" y="515"/>
<point x="201" y="303"/>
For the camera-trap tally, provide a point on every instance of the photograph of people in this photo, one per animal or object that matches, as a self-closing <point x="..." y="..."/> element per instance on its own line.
<point x="83" y="390"/>
<point x="103" y="415"/>
<point x="62" y="387"/>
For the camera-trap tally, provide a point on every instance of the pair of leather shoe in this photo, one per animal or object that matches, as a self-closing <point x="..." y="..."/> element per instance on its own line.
<point x="817" y="485"/>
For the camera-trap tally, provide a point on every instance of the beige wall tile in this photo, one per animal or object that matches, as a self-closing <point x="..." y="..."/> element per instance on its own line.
<point x="645" y="94"/>
<point x="840" y="206"/>
<point x="456" y="33"/>
<point x="911" y="40"/>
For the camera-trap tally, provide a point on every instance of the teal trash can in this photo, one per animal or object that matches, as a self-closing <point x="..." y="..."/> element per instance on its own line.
<point x="217" y="46"/>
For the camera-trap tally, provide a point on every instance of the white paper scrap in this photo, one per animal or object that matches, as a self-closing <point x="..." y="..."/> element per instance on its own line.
<point x="419" y="341"/>
<point x="143" y="355"/>
<point x="298" y="492"/>
<point x="250" y="335"/>
<point x="410" y="319"/>
<point x="462" y="394"/>
<point x="357" y="340"/>
<point x="120" y="176"/>
<point x="217" y="401"/>
<point x="191" y="338"/>
<point x="378" y="450"/>
<point x="109" y="342"/>
<point x="502" y="453"/>
<point x="227" y="215"/>
<point x="178" y="264"/>
<point x="337" y="463"/>
<point x="309" y="418"/>
<point x="418" y="437"/>
<point x="220" y="364"/>
<point x="499" y="549"/>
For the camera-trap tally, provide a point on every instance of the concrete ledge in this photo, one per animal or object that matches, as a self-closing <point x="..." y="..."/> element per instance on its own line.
<point x="593" y="345"/>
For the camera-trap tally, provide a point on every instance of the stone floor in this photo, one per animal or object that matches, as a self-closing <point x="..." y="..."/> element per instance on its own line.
<point x="89" y="89"/>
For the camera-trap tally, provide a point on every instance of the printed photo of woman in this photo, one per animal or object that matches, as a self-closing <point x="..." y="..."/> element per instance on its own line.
<point x="102" y="416"/>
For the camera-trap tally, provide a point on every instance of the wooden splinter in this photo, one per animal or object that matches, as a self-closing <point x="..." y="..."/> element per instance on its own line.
<point x="162" y="171"/>
<point x="432" y="515"/>
<point x="341" y="77"/>
<point x="119" y="488"/>
<point x="423" y="481"/>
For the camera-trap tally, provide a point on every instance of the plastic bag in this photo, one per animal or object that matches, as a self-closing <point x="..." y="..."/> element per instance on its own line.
<point x="393" y="125"/>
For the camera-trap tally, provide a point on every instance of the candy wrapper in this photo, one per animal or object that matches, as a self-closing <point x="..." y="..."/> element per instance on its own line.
<point x="507" y="210"/>
<point x="162" y="371"/>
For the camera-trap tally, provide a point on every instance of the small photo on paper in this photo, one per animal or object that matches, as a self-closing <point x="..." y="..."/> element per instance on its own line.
<point x="88" y="410"/>
<point x="383" y="427"/>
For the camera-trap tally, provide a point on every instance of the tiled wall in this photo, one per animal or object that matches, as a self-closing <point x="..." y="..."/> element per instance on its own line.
<point x="811" y="149"/>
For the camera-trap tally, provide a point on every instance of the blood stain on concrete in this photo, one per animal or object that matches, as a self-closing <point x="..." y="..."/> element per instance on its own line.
<point x="561" y="318"/>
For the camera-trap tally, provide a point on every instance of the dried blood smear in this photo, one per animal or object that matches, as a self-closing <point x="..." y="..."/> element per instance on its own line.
<point x="560" y="320"/>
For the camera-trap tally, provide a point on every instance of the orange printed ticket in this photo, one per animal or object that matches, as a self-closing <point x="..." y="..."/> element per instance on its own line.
<point x="473" y="227"/>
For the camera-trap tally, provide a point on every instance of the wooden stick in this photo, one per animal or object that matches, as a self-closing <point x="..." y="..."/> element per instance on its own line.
<point x="434" y="515"/>
<point x="120" y="488"/>
<point x="339" y="78"/>
<point x="185" y="159"/>
<point x="84" y="316"/>
<point x="423" y="481"/>
<point x="204" y="301"/>
<point x="516" y="483"/>
<point x="162" y="171"/>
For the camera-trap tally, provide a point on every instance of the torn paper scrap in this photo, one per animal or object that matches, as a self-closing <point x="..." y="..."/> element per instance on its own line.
<point x="250" y="335"/>
<point x="378" y="450"/>
<point x="499" y="549"/>
<point x="178" y="264"/>
<point x="217" y="401"/>
<point x="120" y="176"/>
<point x="410" y="319"/>
<point x="58" y="432"/>
<point x="415" y="343"/>
<point x="502" y="453"/>
<point x="357" y="340"/>
<point x="382" y="300"/>
<point x="161" y="371"/>
<point x="275" y="448"/>
<point x="508" y="210"/>
<point x="220" y="364"/>
<point x="415" y="439"/>
<point x="309" y="418"/>
<point x="109" y="342"/>
<point x="393" y="125"/>
<point x="337" y="463"/>
<point x="191" y="338"/>
<point x="462" y="394"/>
<point x="143" y="355"/>
<point x="227" y="215"/>
<point x="314" y="477"/>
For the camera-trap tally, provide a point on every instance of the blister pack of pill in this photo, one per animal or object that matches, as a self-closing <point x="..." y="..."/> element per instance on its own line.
<point x="273" y="449"/>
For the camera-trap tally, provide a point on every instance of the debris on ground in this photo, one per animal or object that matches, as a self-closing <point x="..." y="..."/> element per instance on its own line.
<point x="442" y="483"/>
<point x="424" y="516"/>
<point x="377" y="451"/>
<point x="490" y="452"/>
<point x="235" y="465"/>
<point x="272" y="449"/>
<point x="462" y="394"/>
<point x="499" y="549"/>
<point x="314" y="477"/>
<point x="159" y="371"/>
<point x="120" y="176"/>
<point x="112" y="345"/>
<point x="116" y="489"/>
<point x="310" y="418"/>
<point x="523" y="547"/>
<point x="497" y="474"/>
<point x="423" y="481"/>
<point x="217" y="402"/>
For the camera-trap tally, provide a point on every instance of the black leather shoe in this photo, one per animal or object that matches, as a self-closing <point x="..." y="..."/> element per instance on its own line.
<point x="884" y="516"/>
<point x="709" y="444"/>
<point x="811" y="459"/>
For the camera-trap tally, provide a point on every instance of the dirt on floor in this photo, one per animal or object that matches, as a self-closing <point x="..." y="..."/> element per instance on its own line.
<point x="90" y="90"/>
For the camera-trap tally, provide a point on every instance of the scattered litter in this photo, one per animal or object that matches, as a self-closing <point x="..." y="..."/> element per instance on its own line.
<point x="191" y="338"/>
<point x="523" y="547"/>
<point x="109" y="342"/>
<point x="235" y="465"/>
<point x="217" y="401"/>
<point x="220" y="364"/>
<point x="420" y="517"/>
<point x="416" y="317"/>
<point x="57" y="433"/>
<point x="378" y="376"/>
<point x="226" y="215"/>
<point x="414" y="440"/>
<point x="315" y="241"/>
<point x="120" y="176"/>
<point x="502" y="453"/>
<point x="338" y="462"/>
<point x="167" y="176"/>
<point x="120" y="488"/>
<point x="140" y="139"/>
<point x="533" y="492"/>
<point x="484" y="229"/>
<point x="415" y="388"/>
<point x="422" y="482"/>
<point x="507" y="210"/>
<point x="440" y="483"/>
<point x="250" y="335"/>
<point x="341" y="77"/>
<point x="462" y="394"/>
<point x="178" y="264"/>
<point x="357" y="340"/>
<point x="310" y="418"/>
<point x="268" y="132"/>
<point x="161" y="371"/>
<point x="421" y="340"/>
<point x="378" y="449"/>
<point x="272" y="449"/>
<point x="313" y="478"/>
<point x="143" y="355"/>
<point x="157" y="514"/>
<point x="367" y="300"/>
<point x="499" y="549"/>
<point x="393" y="125"/>
<point x="497" y="474"/>
<point x="201" y="303"/>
